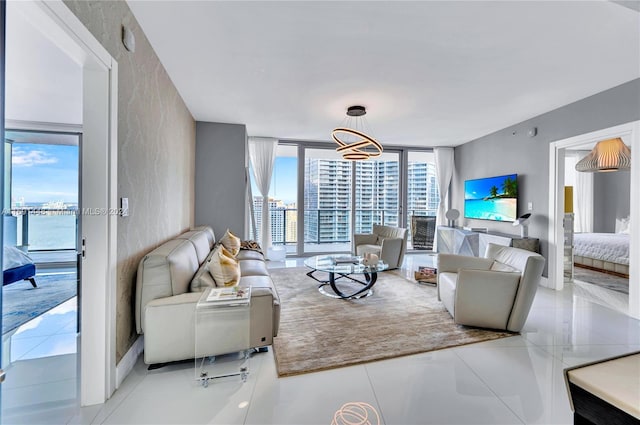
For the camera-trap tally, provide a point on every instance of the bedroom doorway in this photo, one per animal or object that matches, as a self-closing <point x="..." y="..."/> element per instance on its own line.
<point x="630" y="133"/>
<point x="99" y="72"/>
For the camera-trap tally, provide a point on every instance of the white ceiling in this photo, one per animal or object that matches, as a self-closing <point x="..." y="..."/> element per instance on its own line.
<point x="429" y="73"/>
<point x="42" y="83"/>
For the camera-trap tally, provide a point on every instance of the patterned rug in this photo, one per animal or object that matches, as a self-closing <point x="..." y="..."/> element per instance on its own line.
<point x="400" y="318"/>
<point x="604" y="280"/>
<point x="21" y="302"/>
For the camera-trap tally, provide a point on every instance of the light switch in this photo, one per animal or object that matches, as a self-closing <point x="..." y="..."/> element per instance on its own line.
<point x="530" y="206"/>
<point x="124" y="207"/>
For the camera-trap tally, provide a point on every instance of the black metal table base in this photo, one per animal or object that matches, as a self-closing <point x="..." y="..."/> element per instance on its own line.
<point x="365" y="291"/>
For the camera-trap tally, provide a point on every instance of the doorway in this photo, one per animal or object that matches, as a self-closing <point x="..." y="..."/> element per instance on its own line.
<point x="40" y="323"/>
<point x="98" y="70"/>
<point x="629" y="132"/>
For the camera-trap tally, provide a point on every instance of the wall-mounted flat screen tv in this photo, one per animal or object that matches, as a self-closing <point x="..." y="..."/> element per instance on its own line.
<point x="492" y="198"/>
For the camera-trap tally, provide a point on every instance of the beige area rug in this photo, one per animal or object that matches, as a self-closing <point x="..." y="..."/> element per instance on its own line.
<point x="400" y="318"/>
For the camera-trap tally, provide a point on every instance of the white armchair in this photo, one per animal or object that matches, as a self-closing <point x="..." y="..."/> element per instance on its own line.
<point x="493" y="292"/>
<point x="388" y="243"/>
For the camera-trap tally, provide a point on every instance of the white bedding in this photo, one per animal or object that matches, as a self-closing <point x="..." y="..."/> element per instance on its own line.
<point x="13" y="257"/>
<point x="613" y="247"/>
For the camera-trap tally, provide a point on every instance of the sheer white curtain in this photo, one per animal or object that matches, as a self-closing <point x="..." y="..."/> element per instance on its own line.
<point x="262" y="154"/>
<point x="582" y="193"/>
<point x="444" y="172"/>
<point x="583" y="203"/>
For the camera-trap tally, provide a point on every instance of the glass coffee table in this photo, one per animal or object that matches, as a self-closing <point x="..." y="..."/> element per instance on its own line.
<point x="341" y="270"/>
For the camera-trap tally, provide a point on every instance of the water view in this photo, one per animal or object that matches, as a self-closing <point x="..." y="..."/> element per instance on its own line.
<point x="48" y="232"/>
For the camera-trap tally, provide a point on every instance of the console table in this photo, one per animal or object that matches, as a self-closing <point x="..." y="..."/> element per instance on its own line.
<point x="455" y="240"/>
<point x="219" y="318"/>
<point x="606" y="392"/>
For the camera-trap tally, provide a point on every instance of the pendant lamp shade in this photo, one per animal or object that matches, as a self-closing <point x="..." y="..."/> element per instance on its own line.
<point x="607" y="155"/>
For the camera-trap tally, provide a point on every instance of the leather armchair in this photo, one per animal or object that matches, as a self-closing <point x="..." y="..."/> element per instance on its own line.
<point x="492" y="292"/>
<point x="388" y="243"/>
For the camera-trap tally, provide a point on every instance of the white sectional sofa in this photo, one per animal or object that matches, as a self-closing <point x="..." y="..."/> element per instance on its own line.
<point x="170" y="281"/>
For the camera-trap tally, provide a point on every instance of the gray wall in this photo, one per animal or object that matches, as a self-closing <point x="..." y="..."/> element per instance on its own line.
<point x="611" y="196"/>
<point x="221" y="155"/>
<point x="511" y="150"/>
<point x="156" y="148"/>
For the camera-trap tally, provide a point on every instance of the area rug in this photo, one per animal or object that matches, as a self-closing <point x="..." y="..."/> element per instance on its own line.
<point x="604" y="280"/>
<point x="21" y="302"/>
<point x="400" y="318"/>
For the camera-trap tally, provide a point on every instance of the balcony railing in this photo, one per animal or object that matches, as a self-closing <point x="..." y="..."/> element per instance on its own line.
<point x="331" y="226"/>
<point x="42" y="229"/>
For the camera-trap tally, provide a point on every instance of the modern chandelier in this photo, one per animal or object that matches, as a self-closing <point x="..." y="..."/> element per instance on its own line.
<point x="607" y="155"/>
<point x="353" y="142"/>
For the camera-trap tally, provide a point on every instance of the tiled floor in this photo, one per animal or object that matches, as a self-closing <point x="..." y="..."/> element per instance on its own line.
<point x="508" y="381"/>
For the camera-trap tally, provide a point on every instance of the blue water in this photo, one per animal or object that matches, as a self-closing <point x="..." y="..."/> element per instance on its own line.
<point x="504" y="209"/>
<point x="50" y="232"/>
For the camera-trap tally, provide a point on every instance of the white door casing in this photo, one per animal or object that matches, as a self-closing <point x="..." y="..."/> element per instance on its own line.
<point x="98" y="195"/>
<point x="631" y="131"/>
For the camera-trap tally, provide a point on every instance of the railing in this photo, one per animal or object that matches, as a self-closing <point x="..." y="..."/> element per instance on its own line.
<point x="42" y="229"/>
<point x="331" y="226"/>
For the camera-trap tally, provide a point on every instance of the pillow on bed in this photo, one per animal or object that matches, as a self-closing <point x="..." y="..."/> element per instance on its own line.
<point x="623" y="224"/>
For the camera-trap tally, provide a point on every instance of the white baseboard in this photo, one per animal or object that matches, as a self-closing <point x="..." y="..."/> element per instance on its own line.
<point x="544" y="281"/>
<point x="129" y="360"/>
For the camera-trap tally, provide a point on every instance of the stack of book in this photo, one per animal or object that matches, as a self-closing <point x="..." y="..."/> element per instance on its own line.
<point x="229" y="296"/>
<point x="427" y="275"/>
<point x="345" y="260"/>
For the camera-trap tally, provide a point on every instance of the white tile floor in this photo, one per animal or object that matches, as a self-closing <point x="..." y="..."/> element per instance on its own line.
<point x="508" y="381"/>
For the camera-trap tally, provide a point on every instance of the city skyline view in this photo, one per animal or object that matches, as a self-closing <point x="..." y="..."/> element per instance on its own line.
<point x="332" y="202"/>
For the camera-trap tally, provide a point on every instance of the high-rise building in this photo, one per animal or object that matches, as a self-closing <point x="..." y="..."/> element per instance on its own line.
<point x="422" y="188"/>
<point x="327" y="199"/>
<point x="277" y="212"/>
<point x="291" y="226"/>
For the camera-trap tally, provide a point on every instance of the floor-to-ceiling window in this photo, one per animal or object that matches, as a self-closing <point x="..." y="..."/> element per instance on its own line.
<point x="377" y="192"/>
<point x="327" y="183"/>
<point x="422" y="187"/>
<point x="326" y="199"/>
<point x="283" y="194"/>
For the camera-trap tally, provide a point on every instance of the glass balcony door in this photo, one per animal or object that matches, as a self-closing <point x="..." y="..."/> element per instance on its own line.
<point x="422" y="193"/>
<point x="283" y="191"/>
<point x="377" y="192"/>
<point x="328" y="200"/>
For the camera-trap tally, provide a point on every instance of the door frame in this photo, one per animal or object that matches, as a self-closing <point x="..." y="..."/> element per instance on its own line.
<point x="556" y="205"/>
<point x="98" y="192"/>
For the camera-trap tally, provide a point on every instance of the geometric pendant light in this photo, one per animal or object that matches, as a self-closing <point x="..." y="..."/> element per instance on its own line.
<point x="354" y="144"/>
<point x="607" y="155"/>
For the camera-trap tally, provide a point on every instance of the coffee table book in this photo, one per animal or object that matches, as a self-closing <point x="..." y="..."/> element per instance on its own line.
<point x="346" y="260"/>
<point x="228" y="295"/>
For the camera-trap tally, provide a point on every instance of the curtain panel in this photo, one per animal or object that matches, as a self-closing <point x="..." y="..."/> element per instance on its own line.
<point x="262" y="154"/>
<point x="444" y="171"/>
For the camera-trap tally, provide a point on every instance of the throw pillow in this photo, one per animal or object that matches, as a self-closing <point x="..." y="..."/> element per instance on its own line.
<point x="223" y="268"/>
<point x="231" y="242"/>
<point x="502" y="267"/>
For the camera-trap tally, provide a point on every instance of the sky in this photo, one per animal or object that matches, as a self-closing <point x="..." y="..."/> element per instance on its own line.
<point x="284" y="180"/>
<point x="43" y="173"/>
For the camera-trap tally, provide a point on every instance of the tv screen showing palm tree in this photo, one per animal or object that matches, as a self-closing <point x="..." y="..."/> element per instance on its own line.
<point x="492" y="198"/>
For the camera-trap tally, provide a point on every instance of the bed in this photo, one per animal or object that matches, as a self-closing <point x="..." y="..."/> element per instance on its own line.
<point x="607" y="252"/>
<point x="17" y="266"/>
